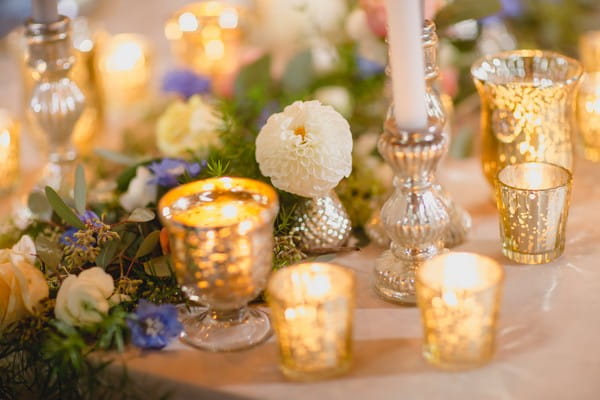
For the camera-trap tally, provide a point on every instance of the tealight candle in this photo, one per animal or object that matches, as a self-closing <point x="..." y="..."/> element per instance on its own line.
<point x="125" y="68"/>
<point x="588" y="100"/>
<point x="533" y="202"/>
<point x="312" y="309"/>
<point x="9" y="151"/>
<point x="459" y="296"/>
<point x="221" y="236"/>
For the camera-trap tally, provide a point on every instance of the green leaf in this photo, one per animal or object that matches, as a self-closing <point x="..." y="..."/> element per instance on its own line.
<point x="107" y="253"/>
<point x="39" y="205"/>
<point x="115" y="157"/>
<point x="299" y="73"/>
<point x="148" y="244"/>
<point x="141" y="215"/>
<point x="461" y="10"/>
<point x="159" y="266"/>
<point x="62" y="210"/>
<point x="257" y="74"/>
<point x="80" y="190"/>
<point x="48" y="251"/>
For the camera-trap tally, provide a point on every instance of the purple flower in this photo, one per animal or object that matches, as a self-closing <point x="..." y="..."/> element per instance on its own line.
<point x="270" y="108"/>
<point x="368" y="68"/>
<point x="168" y="170"/>
<point x="153" y="326"/>
<point x="88" y="218"/>
<point x="510" y="9"/>
<point x="185" y="83"/>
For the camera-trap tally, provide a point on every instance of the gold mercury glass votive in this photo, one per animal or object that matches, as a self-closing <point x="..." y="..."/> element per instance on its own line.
<point x="527" y="108"/>
<point x="588" y="99"/>
<point x="221" y="237"/>
<point x="312" y="307"/>
<point x="459" y="298"/>
<point x="9" y="151"/>
<point x="533" y="201"/>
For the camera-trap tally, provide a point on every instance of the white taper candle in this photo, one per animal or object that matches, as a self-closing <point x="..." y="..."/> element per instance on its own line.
<point x="405" y="26"/>
<point x="44" y="11"/>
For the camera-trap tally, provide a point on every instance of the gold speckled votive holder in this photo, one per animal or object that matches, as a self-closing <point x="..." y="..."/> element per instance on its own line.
<point x="312" y="307"/>
<point x="9" y="151"/>
<point x="588" y="97"/>
<point x="459" y="297"/>
<point x="533" y="201"/>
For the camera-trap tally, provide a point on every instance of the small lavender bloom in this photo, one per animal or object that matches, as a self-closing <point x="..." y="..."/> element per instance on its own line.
<point x="153" y="326"/>
<point x="185" y="83"/>
<point x="270" y="108"/>
<point x="368" y="68"/>
<point x="168" y="170"/>
<point x="88" y="218"/>
<point x="510" y="9"/>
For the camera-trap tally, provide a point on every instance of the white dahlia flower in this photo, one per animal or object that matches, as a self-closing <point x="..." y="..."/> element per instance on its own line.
<point x="306" y="149"/>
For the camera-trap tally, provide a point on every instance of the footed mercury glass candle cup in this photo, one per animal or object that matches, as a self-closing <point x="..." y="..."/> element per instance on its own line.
<point x="312" y="306"/>
<point x="588" y="98"/>
<point x="459" y="298"/>
<point x="533" y="201"/>
<point x="527" y="108"/>
<point x="9" y="151"/>
<point x="221" y="236"/>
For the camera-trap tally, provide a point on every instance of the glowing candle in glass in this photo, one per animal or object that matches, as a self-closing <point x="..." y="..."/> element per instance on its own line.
<point x="221" y="236"/>
<point x="125" y="68"/>
<point x="459" y="297"/>
<point x="588" y="99"/>
<point x="9" y="151"/>
<point x="312" y="308"/>
<point x="533" y="202"/>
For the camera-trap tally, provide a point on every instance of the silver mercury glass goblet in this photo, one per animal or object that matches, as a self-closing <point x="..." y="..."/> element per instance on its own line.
<point x="221" y="238"/>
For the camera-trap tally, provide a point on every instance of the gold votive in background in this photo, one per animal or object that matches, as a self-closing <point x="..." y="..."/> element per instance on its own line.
<point x="459" y="298"/>
<point x="9" y="151"/>
<point x="588" y="99"/>
<point x="221" y="237"/>
<point x="533" y="201"/>
<point x="125" y="69"/>
<point x="312" y="306"/>
<point x="527" y="108"/>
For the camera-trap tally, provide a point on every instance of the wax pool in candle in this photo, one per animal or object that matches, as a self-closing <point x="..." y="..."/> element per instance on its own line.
<point x="44" y="11"/>
<point x="405" y="24"/>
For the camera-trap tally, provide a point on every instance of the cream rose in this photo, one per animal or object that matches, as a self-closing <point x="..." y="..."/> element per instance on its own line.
<point x="84" y="299"/>
<point x="22" y="285"/>
<point x="192" y="126"/>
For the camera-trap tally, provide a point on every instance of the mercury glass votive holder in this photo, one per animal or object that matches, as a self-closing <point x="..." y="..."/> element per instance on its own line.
<point x="221" y="237"/>
<point x="527" y="108"/>
<point x="588" y="98"/>
<point x="312" y="306"/>
<point x="533" y="201"/>
<point x="458" y="295"/>
<point x="10" y="133"/>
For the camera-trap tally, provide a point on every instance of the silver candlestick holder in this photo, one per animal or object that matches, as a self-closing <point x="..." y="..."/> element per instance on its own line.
<point x="56" y="101"/>
<point x="419" y="217"/>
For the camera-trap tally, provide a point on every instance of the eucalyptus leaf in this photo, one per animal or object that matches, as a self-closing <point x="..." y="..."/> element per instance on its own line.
<point x="80" y="190"/>
<point x="148" y="244"/>
<point x="256" y="74"/>
<point x="62" y="210"/>
<point x="159" y="266"/>
<point x="141" y="215"/>
<point x="462" y="10"/>
<point x="325" y="257"/>
<point x="107" y="253"/>
<point x="298" y="75"/>
<point x="115" y="157"/>
<point x="49" y="251"/>
<point x="39" y="205"/>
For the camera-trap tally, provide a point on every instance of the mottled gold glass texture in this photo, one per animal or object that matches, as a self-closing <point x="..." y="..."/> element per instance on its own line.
<point x="533" y="201"/>
<point x="459" y="298"/>
<point x="221" y="237"/>
<point x="10" y="135"/>
<point x="312" y="306"/>
<point x="588" y="98"/>
<point x="527" y="108"/>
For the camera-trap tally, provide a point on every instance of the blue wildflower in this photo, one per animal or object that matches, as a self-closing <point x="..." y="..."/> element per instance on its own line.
<point x="270" y="108"/>
<point x="168" y="170"/>
<point x="185" y="83"/>
<point x="510" y="9"/>
<point x="153" y="326"/>
<point x="368" y="68"/>
<point x="88" y="218"/>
